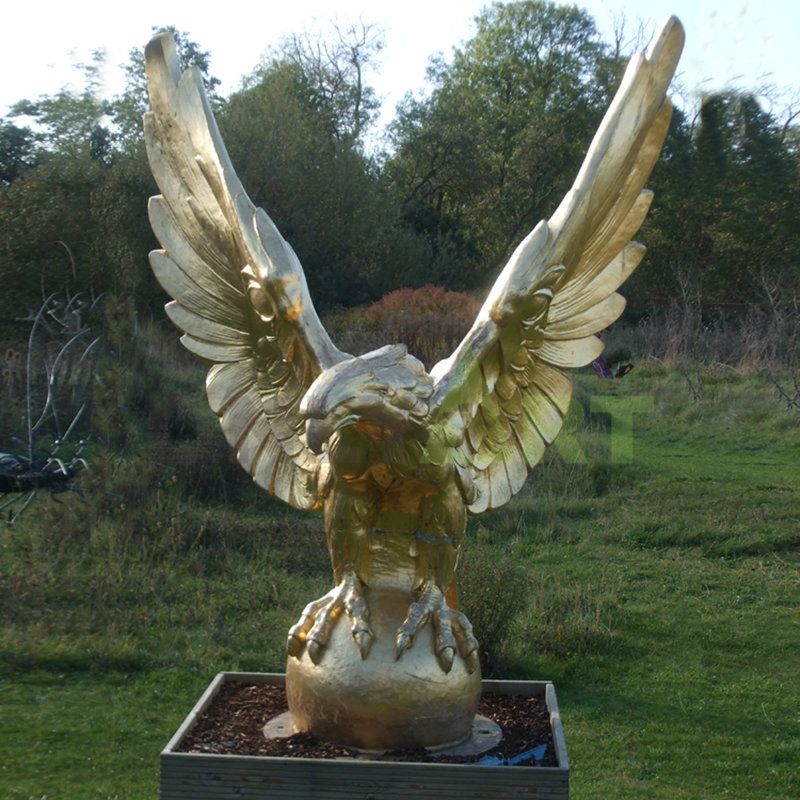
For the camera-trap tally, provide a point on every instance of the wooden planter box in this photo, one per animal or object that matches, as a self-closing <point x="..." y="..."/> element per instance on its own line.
<point x="201" y="776"/>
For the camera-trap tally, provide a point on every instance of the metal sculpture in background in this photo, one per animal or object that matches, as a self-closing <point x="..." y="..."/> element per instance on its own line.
<point x="396" y="457"/>
<point x="50" y="459"/>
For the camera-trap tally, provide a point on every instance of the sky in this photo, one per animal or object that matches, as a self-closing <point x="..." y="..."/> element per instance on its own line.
<point x="729" y="44"/>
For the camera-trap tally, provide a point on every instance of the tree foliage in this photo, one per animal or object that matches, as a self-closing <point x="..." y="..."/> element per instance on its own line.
<point x="723" y="222"/>
<point x="70" y="123"/>
<point x="474" y="164"/>
<point x="17" y="151"/>
<point x="331" y="76"/>
<point x="296" y="140"/>
<point x="493" y="147"/>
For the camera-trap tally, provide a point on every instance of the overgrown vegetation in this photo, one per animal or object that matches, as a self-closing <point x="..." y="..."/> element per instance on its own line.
<point x="659" y="595"/>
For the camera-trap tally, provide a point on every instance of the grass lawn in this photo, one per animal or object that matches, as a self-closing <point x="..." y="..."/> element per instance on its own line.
<point x="660" y="595"/>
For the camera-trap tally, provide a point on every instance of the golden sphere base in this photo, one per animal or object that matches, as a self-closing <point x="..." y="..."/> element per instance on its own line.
<point x="378" y="703"/>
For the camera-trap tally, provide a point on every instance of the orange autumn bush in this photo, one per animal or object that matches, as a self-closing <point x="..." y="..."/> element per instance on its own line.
<point x="430" y="320"/>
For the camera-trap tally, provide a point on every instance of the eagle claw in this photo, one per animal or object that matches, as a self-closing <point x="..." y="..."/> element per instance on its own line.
<point x="401" y="644"/>
<point x="452" y="629"/>
<point x="314" y="627"/>
<point x="363" y="641"/>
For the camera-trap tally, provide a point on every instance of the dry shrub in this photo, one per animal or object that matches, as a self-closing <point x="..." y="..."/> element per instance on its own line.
<point x="757" y="340"/>
<point x="122" y="485"/>
<point x="62" y="373"/>
<point x="111" y="420"/>
<point x="430" y="321"/>
<point x="12" y="391"/>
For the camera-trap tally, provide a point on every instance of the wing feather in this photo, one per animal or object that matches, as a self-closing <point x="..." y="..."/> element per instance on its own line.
<point x="239" y="417"/>
<point x="253" y="444"/>
<point x="178" y="284"/>
<point x="202" y="271"/>
<point x="587" y="321"/>
<point x="506" y="379"/>
<point x="266" y="462"/>
<point x="530" y="441"/>
<point x="603" y="252"/>
<point x="499" y="488"/>
<point x="226" y="382"/>
<point x="203" y="327"/>
<point x="577" y="300"/>
<point x="216" y="353"/>
<point x="239" y="293"/>
<point x="570" y="352"/>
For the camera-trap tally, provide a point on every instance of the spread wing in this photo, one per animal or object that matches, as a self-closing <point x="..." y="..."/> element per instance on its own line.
<point x="240" y="296"/>
<point x="504" y="393"/>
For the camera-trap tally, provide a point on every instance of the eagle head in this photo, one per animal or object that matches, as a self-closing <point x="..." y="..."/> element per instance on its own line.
<point x="385" y="392"/>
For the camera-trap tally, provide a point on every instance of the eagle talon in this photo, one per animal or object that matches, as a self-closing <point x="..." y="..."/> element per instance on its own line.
<point x="446" y="656"/>
<point x="452" y="629"/>
<point x="315" y="650"/>
<point x="313" y="630"/>
<point x="294" y="645"/>
<point x="363" y="640"/>
<point x="472" y="661"/>
<point x="467" y="643"/>
<point x="401" y="644"/>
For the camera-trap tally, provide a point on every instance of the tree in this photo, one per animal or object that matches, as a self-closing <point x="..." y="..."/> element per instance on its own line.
<point x="724" y="216"/>
<point x="498" y="141"/>
<point x="47" y="226"/>
<point x="70" y="123"/>
<point x="17" y="151"/>
<point x="298" y="153"/>
<point x="332" y="73"/>
<point x="75" y="214"/>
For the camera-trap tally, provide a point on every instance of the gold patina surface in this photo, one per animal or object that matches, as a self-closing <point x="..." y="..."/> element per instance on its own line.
<point x="396" y="457"/>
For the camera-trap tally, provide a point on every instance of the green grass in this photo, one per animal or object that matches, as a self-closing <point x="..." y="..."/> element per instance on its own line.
<point x="661" y="596"/>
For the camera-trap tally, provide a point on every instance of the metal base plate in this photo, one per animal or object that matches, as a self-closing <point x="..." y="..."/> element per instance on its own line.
<point x="485" y="735"/>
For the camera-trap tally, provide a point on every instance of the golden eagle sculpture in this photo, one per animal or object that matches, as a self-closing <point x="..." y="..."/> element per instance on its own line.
<point x="396" y="457"/>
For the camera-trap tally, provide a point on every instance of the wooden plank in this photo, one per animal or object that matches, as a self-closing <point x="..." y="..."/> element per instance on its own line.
<point x="521" y="688"/>
<point x="367" y="792"/>
<point x="393" y="782"/>
<point x="372" y="792"/>
<point x="518" y="688"/>
<point x="482" y="791"/>
<point x="431" y="773"/>
<point x="556" y="727"/>
<point x="269" y="678"/>
<point x="200" y="706"/>
<point x="188" y="762"/>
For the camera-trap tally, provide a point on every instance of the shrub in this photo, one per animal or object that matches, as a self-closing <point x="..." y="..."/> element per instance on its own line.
<point x="753" y="340"/>
<point x="169" y="415"/>
<point x="430" y="321"/>
<point x="492" y="591"/>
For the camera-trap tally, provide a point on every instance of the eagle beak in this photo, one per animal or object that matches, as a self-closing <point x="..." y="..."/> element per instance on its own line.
<point x="317" y="433"/>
